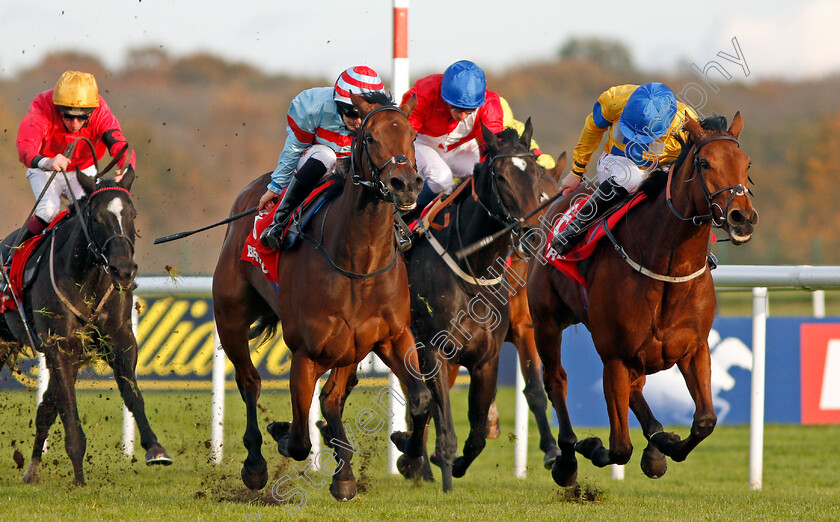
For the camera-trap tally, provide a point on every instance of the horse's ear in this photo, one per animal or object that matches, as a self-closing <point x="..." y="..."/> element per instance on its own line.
<point x="737" y="125"/>
<point x="127" y="178"/>
<point x="88" y="183"/>
<point x="527" y="133"/>
<point x="490" y="139"/>
<point x="409" y="105"/>
<point x="360" y="103"/>
<point x="559" y="166"/>
<point x="694" y="129"/>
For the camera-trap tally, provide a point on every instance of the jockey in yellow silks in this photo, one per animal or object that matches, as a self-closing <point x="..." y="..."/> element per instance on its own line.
<point x="641" y="122"/>
<point x="543" y="160"/>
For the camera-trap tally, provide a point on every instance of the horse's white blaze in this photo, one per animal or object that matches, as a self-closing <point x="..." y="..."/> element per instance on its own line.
<point x="116" y="207"/>
<point x="520" y="163"/>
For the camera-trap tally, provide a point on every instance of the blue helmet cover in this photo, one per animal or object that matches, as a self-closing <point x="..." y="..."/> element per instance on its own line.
<point x="463" y="85"/>
<point x="648" y="113"/>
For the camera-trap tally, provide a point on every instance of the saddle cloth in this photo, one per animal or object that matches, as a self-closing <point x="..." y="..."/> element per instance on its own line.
<point x="265" y="258"/>
<point x="19" y="278"/>
<point x="568" y="264"/>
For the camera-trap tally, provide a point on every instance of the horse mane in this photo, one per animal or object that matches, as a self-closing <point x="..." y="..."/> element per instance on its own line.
<point x="655" y="183"/>
<point x="378" y="97"/>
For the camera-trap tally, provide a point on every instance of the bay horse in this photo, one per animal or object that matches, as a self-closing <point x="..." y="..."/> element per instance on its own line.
<point x="79" y="306"/>
<point x="457" y="318"/>
<point x="647" y="318"/>
<point x="336" y="303"/>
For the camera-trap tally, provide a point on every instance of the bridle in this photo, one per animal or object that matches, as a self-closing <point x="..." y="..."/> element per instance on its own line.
<point x="98" y="250"/>
<point x="734" y="190"/>
<point x="505" y="218"/>
<point x="376" y="185"/>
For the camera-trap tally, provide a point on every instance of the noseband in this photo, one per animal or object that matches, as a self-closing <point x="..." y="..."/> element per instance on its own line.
<point x="734" y="190"/>
<point x="376" y="185"/>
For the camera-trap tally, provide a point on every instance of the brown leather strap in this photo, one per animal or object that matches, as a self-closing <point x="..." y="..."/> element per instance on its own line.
<point x="428" y="221"/>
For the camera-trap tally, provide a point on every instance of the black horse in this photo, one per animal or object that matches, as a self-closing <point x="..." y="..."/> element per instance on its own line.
<point x="79" y="306"/>
<point x="459" y="308"/>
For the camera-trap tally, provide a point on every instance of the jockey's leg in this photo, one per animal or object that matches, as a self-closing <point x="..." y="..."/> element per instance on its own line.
<point x="619" y="176"/>
<point x="433" y="169"/>
<point x="305" y="179"/>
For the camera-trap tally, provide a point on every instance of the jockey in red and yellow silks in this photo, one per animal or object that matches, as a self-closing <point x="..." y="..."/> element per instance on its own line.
<point x="57" y="117"/>
<point x="451" y="107"/>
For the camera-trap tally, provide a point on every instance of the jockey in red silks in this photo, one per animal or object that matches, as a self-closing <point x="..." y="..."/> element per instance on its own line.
<point x="321" y="124"/>
<point x="451" y="107"/>
<point x="57" y="117"/>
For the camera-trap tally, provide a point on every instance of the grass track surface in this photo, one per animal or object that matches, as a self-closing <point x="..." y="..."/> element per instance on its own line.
<point x="801" y="478"/>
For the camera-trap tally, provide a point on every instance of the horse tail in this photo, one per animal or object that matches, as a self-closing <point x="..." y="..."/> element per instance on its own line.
<point x="267" y="325"/>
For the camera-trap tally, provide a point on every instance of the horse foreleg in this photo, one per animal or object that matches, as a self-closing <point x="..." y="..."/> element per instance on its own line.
<point x="293" y="438"/>
<point x="233" y="335"/>
<point x="44" y="419"/>
<point x="617" y="393"/>
<point x="653" y="463"/>
<point x="123" y="360"/>
<point x="332" y="398"/>
<point x="401" y="357"/>
<point x="529" y="361"/>
<point x="446" y="444"/>
<point x="64" y="367"/>
<point x="697" y="373"/>
<point x="482" y="392"/>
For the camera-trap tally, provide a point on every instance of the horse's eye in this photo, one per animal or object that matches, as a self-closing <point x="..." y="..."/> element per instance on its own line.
<point x="369" y="139"/>
<point x="704" y="164"/>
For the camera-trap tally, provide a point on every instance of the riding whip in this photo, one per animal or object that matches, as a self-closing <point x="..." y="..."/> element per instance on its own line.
<point x="179" y="235"/>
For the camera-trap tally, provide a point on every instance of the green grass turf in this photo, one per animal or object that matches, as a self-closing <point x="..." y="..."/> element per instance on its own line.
<point x="801" y="480"/>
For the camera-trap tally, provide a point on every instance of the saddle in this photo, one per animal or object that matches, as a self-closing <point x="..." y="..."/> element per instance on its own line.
<point x="25" y="261"/>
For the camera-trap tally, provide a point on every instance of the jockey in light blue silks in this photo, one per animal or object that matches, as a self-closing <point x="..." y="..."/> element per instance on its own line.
<point x="643" y="122"/>
<point x="321" y="124"/>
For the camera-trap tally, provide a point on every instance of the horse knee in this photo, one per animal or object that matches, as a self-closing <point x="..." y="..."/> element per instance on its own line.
<point x="421" y="402"/>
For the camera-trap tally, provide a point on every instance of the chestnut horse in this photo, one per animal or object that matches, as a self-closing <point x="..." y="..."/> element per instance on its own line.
<point x="336" y="302"/>
<point x="647" y="318"/>
<point x="457" y="318"/>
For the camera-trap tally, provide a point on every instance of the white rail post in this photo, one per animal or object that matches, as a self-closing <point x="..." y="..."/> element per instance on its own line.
<point x="818" y="299"/>
<point x="399" y="85"/>
<point x="314" y="432"/>
<point x="43" y="381"/>
<point x="128" y="417"/>
<point x="520" y="444"/>
<point x="759" y="342"/>
<point x="217" y="408"/>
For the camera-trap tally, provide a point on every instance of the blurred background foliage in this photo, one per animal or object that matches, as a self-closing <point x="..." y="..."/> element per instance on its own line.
<point x="204" y="128"/>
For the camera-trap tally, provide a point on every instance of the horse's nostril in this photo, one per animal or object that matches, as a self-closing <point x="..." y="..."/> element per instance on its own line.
<point x="736" y="217"/>
<point x="397" y="185"/>
<point x="754" y="218"/>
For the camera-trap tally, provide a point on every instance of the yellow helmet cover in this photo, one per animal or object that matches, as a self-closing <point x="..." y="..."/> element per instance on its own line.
<point x="76" y="90"/>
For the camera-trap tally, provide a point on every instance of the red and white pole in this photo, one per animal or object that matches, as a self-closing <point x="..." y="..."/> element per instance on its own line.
<point x="399" y="86"/>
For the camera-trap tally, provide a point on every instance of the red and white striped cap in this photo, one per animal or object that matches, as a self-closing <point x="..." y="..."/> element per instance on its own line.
<point x="356" y="80"/>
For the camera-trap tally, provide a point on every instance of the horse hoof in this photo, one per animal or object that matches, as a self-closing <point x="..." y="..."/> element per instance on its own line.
<point x="343" y="490"/>
<point x="664" y="442"/>
<point x="654" y="463"/>
<point x="400" y="440"/>
<point x="587" y="446"/>
<point x="410" y="468"/>
<point x="157" y="456"/>
<point x="564" y="472"/>
<point x="434" y="459"/>
<point x="281" y="432"/>
<point x="459" y="467"/>
<point x="493" y="429"/>
<point x="550" y="456"/>
<point x="255" y="477"/>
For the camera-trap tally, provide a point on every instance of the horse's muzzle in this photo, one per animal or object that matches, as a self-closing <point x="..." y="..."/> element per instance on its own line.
<point x="740" y="225"/>
<point x="404" y="189"/>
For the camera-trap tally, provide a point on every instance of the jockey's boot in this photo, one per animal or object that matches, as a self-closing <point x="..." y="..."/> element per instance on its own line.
<point x="301" y="185"/>
<point x="32" y="228"/>
<point x="606" y="196"/>
<point x="712" y="260"/>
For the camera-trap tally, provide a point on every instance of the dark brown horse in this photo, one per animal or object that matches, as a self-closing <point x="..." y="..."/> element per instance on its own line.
<point x="457" y="319"/>
<point x="82" y="292"/>
<point x="646" y="319"/>
<point x="336" y="303"/>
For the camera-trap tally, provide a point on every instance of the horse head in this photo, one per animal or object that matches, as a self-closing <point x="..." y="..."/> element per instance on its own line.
<point x="508" y="181"/>
<point x="109" y="217"/>
<point x="384" y="150"/>
<point x="722" y="168"/>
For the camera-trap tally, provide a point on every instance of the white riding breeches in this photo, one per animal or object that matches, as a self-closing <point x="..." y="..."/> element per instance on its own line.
<point x="321" y="153"/>
<point x="437" y="166"/>
<point x="50" y="204"/>
<point x="622" y="170"/>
